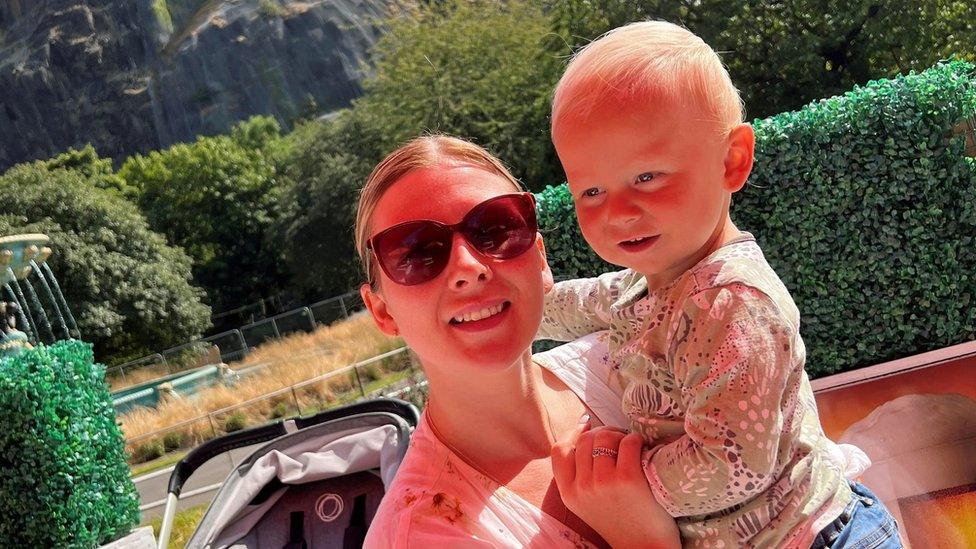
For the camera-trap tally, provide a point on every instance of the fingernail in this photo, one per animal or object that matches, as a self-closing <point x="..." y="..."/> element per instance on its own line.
<point x="584" y="418"/>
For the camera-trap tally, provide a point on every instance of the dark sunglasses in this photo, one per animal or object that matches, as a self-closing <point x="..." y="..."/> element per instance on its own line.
<point x="417" y="251"/>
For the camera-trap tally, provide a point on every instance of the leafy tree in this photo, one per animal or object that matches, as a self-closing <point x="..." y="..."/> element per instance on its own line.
<point x="128" y="290"/>
<point x="259" y="133"/>
<point x="215" y="198"/>
<point x="98" y="170"/>
<point x="330" y="162"/>
<point x="479" y="70"/>
<point x="784" y="54"/>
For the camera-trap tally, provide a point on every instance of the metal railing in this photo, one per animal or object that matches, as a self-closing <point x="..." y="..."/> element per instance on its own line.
<point x="234" y="345"/>
<point x="249" y="312"/>
<point x="334" y="388"/>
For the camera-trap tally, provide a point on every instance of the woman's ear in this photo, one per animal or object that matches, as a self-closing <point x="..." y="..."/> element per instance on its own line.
<point x="739" y="156"/>
<point x="377" y="307"/>
<point x="547" y="281"/>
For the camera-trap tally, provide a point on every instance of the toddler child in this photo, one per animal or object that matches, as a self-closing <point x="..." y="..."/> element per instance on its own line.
<point x="703" y="335"/>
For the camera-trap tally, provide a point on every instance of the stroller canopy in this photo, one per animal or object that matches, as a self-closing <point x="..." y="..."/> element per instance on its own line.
<point x="316" y="486"/>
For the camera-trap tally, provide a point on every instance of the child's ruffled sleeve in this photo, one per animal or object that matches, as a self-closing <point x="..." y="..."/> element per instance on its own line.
<point x="575" y="308"/>
<point x="732" y="353"/>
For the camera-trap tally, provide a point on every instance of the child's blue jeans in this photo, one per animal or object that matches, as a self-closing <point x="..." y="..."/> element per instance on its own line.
<point x="864" y="524"/>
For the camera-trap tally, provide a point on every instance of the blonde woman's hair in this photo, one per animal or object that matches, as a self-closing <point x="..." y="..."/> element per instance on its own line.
<point x="650" y="60"/>
<point x="420" y="152"/>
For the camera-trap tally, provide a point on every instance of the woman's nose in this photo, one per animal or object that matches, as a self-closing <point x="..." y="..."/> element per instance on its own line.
<point x="466" y="265"/>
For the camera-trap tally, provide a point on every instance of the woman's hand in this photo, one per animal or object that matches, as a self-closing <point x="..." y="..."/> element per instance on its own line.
<point x="600" y="479"/>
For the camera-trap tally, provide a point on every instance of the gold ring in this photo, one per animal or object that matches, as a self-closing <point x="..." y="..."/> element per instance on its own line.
<point x="601" y="451"/>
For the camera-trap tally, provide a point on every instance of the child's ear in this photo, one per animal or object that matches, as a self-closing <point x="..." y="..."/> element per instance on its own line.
<point x="738" y="157"/>
<point x="547" y="280"/>
<point x="377" y="307"/>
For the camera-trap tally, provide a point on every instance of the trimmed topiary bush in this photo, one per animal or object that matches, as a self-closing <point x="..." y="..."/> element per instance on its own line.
<point x="866" y="207"/>
<point x="864" y="204"/>
<point x="64" y="481"/>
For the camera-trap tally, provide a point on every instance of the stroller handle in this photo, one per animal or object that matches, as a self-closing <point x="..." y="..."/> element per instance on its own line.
<point x="203" y="453"/>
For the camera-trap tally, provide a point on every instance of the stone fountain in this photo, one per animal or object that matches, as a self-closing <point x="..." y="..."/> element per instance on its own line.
<point x="24" y="269"/>
<point x="51" y="388"/>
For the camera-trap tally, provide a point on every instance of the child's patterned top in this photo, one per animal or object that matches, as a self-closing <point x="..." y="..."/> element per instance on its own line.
<point x="715" y="359"/>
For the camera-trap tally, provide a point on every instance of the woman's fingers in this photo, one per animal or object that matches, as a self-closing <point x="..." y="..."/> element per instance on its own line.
<point x="629" y="455"/>
<point x="584" y="459"/>
<point x="563" y="458"/>
<point x="605" y="452"/>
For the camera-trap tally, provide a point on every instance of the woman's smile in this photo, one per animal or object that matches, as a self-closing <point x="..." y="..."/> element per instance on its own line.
<point x="482" y="319"/>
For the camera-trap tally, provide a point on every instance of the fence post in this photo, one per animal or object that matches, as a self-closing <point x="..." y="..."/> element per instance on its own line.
<point x="342" y="305"/>
<point x="213" y="426"/>
<point x="274" y="324"/>
<point x="294" y="395"/>
<point x="362" y="390"/>
<point x="311" y="319"/>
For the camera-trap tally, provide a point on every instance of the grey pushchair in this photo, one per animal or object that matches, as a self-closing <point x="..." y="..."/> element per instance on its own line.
<point x="316" y="483"/>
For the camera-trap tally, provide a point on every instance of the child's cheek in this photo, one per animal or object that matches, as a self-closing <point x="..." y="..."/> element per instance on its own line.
<point x="590" y="223"/>
<point x="666" y="197"/>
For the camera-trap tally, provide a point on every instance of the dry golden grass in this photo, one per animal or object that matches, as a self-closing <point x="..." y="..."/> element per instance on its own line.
<point x="290" y="360"/>
<point x="350" y="340"/>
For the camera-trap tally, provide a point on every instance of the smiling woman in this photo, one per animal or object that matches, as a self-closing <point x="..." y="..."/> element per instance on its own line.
<point x="457" y="267"/>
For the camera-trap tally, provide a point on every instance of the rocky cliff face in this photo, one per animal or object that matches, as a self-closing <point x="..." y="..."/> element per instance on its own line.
<point x="134" y="75"/>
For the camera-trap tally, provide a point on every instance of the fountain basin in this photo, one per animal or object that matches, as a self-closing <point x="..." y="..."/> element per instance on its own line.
<point x="181" y="384"/>
<point x="16" y="253"/>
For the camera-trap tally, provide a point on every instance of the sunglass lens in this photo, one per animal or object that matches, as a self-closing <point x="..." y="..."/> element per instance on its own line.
<point x="501" y="228"/>
<point x="415" y="252"/>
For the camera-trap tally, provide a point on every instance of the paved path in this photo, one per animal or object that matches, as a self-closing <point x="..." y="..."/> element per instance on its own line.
<point x="152" y="487"/>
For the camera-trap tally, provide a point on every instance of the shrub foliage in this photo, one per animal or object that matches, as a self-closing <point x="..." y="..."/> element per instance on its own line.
<point x="64" y="481"/>
<point x="326" y="165"/>
<point x="128" y="290"/>
<point x="215" y="198"/>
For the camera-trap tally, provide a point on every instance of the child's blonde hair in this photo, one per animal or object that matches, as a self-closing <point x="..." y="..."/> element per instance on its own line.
<point x="650" y="60"/>
<point x="420" y="152"/>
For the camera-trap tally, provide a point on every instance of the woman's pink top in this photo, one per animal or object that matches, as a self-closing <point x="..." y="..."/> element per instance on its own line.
<point x="438" y="500"/>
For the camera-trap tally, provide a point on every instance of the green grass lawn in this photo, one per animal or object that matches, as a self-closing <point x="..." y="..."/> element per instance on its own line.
<point x="184" y="523"/>
<point x="157" y="464"/>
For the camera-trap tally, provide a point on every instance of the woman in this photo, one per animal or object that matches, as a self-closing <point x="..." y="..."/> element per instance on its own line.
<point x="457" y="268"/>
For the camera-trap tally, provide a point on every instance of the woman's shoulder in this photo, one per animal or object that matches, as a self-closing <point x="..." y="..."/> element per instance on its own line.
<point x="586" y="366"/>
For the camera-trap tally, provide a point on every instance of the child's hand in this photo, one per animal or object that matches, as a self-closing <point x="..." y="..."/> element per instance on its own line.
<point x="600" y="479"/>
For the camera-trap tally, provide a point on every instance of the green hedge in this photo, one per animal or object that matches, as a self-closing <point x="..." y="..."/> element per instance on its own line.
<point x="568" y="254"/>
<point x="64" y="481"/>
<point x="866" y="207"/>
